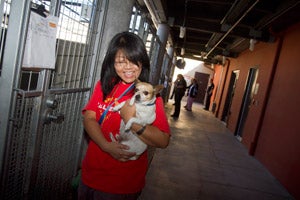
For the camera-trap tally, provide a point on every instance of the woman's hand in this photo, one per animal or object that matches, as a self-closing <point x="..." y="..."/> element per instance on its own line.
<point x="115" y="149"/>
<point x="127" y="111"/>
<point x="118" y="151"/>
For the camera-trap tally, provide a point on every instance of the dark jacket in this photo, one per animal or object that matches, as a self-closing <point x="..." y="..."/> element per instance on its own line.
<point x="193" y="90"/>
<point x="180" y="87"/>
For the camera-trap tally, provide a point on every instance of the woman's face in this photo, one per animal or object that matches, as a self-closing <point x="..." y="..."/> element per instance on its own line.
<point x="125" y="69"/>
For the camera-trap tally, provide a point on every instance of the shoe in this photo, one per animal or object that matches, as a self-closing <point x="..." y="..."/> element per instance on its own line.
<point x="188" y="109"/>
<point x="174" y="116"/>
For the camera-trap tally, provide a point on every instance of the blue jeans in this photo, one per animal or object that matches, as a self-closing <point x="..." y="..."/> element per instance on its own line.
<point x="87" y="193"/>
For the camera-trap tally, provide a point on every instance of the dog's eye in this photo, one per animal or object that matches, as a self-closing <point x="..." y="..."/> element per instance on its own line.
<point x="146" y="92"/>
<point x="136" y="90"/>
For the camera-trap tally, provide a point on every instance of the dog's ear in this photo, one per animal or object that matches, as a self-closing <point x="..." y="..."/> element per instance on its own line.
<point x="158" y="88"/>
<point x="137" y="81"/>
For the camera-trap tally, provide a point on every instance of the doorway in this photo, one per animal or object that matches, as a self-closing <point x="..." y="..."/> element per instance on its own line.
<point x="246" y="102"/>
<point x="231" y="88"/>
<point x="202" y="80"/>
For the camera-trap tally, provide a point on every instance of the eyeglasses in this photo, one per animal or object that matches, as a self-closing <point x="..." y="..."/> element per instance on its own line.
<point x="125" y="63"/>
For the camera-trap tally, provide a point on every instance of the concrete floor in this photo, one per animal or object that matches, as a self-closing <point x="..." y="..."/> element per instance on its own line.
<point x="205" y="161"/>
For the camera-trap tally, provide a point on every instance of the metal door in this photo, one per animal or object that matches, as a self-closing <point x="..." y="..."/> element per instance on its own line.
<point x="246" y="102"/>
<point x="202" y="80"/>
<point x="42" y="137"/>
<point x="230" y="93"/>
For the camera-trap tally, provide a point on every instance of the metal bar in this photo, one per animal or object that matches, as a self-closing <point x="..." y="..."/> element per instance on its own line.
<point x="15" y="40"/>
<point x="65" y="91"/>
<point x="232" y="27"/>
<point x="20" y="120"/>
<point x="97" y="41"/>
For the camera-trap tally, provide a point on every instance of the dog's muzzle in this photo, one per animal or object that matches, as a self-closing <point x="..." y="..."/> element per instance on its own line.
<point x="138" y="98"/>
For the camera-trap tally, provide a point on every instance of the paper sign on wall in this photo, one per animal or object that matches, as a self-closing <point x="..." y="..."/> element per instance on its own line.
<point x="40" y="42"/>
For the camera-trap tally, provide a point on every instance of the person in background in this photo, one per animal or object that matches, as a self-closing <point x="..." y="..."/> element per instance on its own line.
<point x="179" y="93"/>
<point x="192" y="93"/>
<point x="209" y="93"/>
<point x="107" y="171"/>
<point x="174" y="89"/>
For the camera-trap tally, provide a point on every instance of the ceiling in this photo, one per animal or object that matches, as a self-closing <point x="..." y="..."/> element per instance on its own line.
<point x="217" y="28"/>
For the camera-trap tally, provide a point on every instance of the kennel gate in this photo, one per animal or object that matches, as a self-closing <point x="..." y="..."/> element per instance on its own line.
<point x="42" y="135"/>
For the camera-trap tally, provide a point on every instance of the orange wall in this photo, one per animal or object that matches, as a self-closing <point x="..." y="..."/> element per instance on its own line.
<point x="272" y="127"/>
<point x="262" y="58"/>
<point x="216" y="77"/>
<point x="279" y="142"/>
<point x="222" y="88"/>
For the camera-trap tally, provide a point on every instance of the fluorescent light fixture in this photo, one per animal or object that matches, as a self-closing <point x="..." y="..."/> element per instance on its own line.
<point x="182" y="32"/>
<point x="252" y="44"/>
<point x="182" y="51"/>
<point x="223" y="60"/>
<point x="197" y="56"/>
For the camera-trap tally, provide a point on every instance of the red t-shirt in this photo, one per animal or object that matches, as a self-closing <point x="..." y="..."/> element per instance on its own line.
<point x="99" y="169"/>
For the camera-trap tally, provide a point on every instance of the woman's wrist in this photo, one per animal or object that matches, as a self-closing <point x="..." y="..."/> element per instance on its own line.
<point x="138" y="129"/>
<point x="105" y="146"/>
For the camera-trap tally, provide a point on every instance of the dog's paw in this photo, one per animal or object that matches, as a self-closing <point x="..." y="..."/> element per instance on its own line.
<point x="118" y="137"/>
<point x="127" y="130"/>
<point x="129" y="124"/>
<point x="127" y="127"/>
<point x="118" y="106"/>
<point x="113" y="139"/>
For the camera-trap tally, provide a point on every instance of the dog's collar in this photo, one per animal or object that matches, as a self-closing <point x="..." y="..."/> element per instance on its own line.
<point x="150" y="104"/>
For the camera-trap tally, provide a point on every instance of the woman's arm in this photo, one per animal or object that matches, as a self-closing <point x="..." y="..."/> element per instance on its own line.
<point x="152" y="135"/>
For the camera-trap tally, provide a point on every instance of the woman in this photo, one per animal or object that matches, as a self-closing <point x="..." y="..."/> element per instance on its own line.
<point x="107" y="172"/>
<point x="192" y="93"/>
<point x="179" y="93"/>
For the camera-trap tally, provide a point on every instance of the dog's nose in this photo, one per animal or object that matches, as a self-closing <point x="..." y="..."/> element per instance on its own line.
<point x="138" y="97"/>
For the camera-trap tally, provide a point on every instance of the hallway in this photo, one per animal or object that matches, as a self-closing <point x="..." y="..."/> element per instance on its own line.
<point x="205" y="161"/>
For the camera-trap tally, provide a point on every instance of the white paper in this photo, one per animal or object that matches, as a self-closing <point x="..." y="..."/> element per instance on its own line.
<point x="40" y="42"/>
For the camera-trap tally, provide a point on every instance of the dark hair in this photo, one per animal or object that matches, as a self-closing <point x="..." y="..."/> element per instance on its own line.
<point x="135" y="51"/>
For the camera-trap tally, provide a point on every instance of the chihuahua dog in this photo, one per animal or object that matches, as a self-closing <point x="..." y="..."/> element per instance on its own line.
<point x="144" y="99"/>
